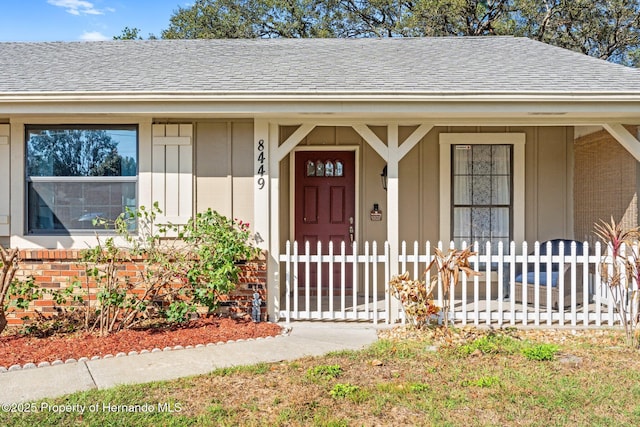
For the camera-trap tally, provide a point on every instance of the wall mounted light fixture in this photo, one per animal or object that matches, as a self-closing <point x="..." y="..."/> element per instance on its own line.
<point x="383" y="177"/>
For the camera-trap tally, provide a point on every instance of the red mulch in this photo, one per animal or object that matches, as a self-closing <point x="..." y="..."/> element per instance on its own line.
<point x="20" y="349"/>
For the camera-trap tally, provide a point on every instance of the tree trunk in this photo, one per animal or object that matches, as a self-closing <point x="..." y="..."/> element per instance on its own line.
<point x="3" y="320"/>
<point x="9" y="263"/>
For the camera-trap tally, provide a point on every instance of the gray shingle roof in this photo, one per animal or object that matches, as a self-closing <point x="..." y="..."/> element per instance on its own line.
<point x="439" y="66"/>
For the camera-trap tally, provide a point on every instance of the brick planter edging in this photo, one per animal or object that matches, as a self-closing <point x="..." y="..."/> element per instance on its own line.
<point x="57" y="362"/>
<point x="57" y="268"/>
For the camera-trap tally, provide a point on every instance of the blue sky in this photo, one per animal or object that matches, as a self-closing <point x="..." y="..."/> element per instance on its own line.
<point x="70" y="20"/>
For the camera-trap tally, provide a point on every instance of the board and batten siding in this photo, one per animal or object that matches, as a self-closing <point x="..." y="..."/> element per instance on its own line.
<point x="369" y="165"/>
<point x="548" y="198"/>
<point x="548" y="195"/>
<point x="224" y="168"/>
<point x="172" y="172"/>
<point x="5" y="180"/>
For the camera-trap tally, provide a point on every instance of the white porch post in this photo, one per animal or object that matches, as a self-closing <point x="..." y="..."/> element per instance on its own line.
<point x="393" y="210"/>
<point x="261" y="211"/>
<point x="395" y="154"/>
<point x="261" y="185"/>
<point x="273" y="278"/>
<point x="269" y="201"/>
<point x="392" y="153"/>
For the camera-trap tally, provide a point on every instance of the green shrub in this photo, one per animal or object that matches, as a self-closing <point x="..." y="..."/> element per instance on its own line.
<point x="491" y="344"/>
<point x="324" y="372"/>
<point x="419" y="387"/>
<point x="181" y="267"/>
<point x="482" y="382"/>
<point x="540" y="352"/>
<point x="216" y="244"/>
<point x="341" y="391"/>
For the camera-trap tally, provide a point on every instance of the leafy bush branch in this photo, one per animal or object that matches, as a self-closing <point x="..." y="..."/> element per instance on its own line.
<point x="19" y="294"/>
<point x="620" y="272"/>
<point x="416" y="296"/>
<point x="449" y="267"/>
<point x="416" y="299"/>
<point x="179" y="268"/>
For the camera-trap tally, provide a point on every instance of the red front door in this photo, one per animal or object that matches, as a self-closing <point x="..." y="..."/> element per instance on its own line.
<point x="325" y="202"/>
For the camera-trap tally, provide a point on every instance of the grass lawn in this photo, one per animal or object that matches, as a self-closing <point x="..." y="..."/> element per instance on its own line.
<point x="471" y="378"/>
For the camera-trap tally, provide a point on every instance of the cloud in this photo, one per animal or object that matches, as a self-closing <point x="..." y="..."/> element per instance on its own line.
<point x="76" y="7"/>
<point x="93" y="36"/>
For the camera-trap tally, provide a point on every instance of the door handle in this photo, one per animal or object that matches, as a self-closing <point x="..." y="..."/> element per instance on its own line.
<point x="351" y="230"/>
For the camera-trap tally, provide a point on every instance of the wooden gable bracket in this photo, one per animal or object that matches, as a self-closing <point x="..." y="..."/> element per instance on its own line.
<point x="625" y="138"/>
<point x="296" y="137"/>
<point x="383" y="151"/>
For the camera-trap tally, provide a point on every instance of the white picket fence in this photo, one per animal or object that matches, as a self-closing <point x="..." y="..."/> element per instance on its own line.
<point x="358" y="287"/>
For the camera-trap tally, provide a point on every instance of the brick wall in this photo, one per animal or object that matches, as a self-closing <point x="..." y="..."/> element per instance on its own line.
<point x="605" y="183"/>
<point x="57" y="269"/>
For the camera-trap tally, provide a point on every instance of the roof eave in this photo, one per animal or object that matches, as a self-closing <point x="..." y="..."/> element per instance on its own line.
<point x="320" y="96"/>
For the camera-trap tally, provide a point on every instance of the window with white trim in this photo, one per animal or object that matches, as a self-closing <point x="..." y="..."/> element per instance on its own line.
<point x="481" y="193"/>
<point x="482" y="187"/>
<point x="75" y="174"/>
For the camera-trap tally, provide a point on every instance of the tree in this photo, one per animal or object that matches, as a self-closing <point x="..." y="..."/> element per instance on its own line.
<point x="129" y="34"/>
<point x="74" y="152"/>
<point x="216" y="19"/>
<point x="253" y="18"/>
<point x="606" y="29"/>
<point x="132" y="34"/>
<point x="392" y="18"/>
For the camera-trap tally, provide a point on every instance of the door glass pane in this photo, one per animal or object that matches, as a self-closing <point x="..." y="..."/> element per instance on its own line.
<point x="328" y="168"/>
<point x="339" y="168"/>
<point x="311" y="168"/>
<point x="319" y="168"/>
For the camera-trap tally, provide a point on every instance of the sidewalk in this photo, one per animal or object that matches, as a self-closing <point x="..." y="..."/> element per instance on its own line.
<point x="304" y="339"/>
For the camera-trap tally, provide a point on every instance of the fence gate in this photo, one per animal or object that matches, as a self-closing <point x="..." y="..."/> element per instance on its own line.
<point x="336" y="285"/>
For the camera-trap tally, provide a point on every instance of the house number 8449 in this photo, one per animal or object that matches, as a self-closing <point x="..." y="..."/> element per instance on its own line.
<point x="261" y="160"/>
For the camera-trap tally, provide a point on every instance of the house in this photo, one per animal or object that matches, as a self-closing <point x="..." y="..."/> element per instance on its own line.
<point x="411" y="139"/>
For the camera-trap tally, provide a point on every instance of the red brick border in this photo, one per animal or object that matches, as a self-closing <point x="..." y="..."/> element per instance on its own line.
<point x="56" y="269"/>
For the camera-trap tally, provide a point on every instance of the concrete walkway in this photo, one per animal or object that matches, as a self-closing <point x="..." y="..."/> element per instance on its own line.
<point x="303" y="339"/>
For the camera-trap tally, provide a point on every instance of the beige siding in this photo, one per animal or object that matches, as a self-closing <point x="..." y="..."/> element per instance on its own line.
<point x="606" y="179"/>
<point x="370" y="187"/>
<point x="371" y="192"/>
<point x="172" y="169"/>
<point x="242" y="171"/>
<point x="5" y="180"/>
<point x="224" y="168"/>
<point x="552" y="171"/>
<point x="548" y="181"/>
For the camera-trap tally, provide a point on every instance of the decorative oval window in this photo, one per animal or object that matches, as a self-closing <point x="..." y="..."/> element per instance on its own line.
<point x="339" y="169"/>
<point x="311" y="168"/>
<point x="319" y="168"/>
<point x="328" y="168"/>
